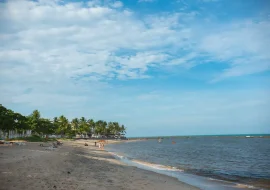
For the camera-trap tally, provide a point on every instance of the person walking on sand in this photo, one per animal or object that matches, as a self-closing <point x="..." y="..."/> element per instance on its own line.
<point x="99" y="145"/>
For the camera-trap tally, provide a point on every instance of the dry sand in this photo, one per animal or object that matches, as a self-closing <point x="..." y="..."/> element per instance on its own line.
<point x="74" y="166"/>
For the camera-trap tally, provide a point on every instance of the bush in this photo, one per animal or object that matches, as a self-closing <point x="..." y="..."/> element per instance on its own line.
<point x="34" y="138"/>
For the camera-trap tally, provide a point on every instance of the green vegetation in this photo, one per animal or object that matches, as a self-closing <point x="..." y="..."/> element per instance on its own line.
<point x="10" y="120"/>
<point x="34" y="138"/>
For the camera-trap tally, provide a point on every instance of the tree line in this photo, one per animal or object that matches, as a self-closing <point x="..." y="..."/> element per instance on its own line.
<point x="10" y="120"/>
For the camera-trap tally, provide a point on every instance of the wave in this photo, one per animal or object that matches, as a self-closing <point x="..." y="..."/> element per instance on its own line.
<point x="157" y="166"/>
<point x="204" y="183"/>
<point x="146" y="164"/>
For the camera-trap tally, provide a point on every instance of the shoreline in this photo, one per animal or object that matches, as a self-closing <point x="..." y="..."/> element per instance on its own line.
<point x="75" y="166"/>
<point x="200" y="181"/>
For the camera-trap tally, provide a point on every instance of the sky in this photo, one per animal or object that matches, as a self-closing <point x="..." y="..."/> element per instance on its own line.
<point x="178" y="67"/>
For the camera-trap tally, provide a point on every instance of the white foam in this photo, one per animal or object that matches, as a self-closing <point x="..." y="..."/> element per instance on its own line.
<point x="157" y="166"/>
<point x="194" y="180"/>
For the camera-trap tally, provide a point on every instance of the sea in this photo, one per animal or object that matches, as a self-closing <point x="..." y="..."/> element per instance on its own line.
<point x="207" y="162"/>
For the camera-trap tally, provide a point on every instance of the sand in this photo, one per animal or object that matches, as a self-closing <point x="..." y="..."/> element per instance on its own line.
<point x="74" y="166"/>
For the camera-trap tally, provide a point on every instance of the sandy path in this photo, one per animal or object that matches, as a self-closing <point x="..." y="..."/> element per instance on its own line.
<point x="74" y="166"/>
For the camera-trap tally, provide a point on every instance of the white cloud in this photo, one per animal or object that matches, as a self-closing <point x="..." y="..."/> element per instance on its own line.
<point x="74" y="38"/>
<point x="69" y="51"/>
<point x="244" y="46"/>
<point x="85" y="38"/>
<point x="117" y="4"/>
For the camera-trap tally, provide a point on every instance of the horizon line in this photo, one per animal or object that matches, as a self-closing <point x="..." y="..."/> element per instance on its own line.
<point x="244" y="134"/>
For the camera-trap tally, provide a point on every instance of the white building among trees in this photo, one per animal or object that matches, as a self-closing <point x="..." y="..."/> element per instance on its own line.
<point x="14" y="134"/>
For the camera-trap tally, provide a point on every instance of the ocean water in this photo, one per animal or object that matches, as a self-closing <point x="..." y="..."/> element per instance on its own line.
<point x="206" y="162"/>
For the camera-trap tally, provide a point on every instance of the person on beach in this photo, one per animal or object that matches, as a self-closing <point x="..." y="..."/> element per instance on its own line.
<point x="95" y="143"/>
<point x="99" y="145"/>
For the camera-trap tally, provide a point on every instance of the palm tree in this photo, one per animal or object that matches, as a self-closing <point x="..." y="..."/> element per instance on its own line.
<point x="110" y="128"/>
<point x="63" y="125"/>
<point x="100" y="127"/>
<point x="91" y="125"/>
<point x="75" y="124"/>
<point x="34" y="121"/>
<point x="123" y="129"/>
<point x="36" y="114"/>
<point x="117" y="128"/>
<point x="10" y="120"/>
<point x="83" y="126"/>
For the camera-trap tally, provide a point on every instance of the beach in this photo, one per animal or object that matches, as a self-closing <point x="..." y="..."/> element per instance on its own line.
<point x="75" y="166"/>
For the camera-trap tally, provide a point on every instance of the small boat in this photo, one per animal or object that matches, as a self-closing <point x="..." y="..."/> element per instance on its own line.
<point x="159" y="140"/>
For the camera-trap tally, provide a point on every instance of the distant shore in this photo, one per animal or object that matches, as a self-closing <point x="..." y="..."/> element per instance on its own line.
<point x="194" y="136"/>
<point x="75" y="166"/>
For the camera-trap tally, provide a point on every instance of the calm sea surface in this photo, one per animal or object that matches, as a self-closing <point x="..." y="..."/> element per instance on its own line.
<point x="239" y="160"/>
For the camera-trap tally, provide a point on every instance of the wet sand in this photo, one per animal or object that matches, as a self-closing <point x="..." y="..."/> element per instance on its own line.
<point x="75" y="166"/>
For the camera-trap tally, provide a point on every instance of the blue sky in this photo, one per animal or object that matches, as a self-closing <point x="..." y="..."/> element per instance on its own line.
<point x="183" y="67"/>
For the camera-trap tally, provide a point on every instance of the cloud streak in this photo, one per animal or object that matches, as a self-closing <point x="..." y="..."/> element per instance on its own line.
<point x="79" y="39"/>
<point x="72" y="54"/>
